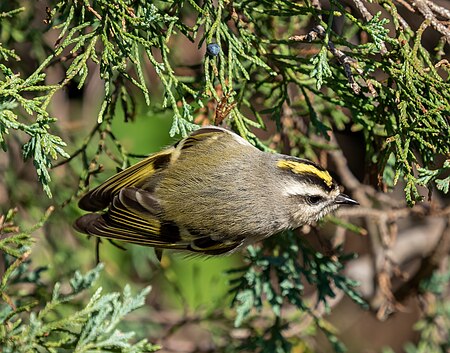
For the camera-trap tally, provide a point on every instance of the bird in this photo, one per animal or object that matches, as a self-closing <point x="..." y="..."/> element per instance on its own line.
<point x="210" y="193"/>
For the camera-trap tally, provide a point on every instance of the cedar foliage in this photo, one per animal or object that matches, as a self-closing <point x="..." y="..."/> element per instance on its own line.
<point x="277" y="59"/>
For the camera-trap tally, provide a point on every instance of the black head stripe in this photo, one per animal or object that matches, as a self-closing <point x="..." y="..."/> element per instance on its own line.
<point x="314" y="179"/>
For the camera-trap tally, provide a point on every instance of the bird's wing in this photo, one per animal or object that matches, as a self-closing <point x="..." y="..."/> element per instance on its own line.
<point x="134" y="217"/>
<point x="99" y="198"/>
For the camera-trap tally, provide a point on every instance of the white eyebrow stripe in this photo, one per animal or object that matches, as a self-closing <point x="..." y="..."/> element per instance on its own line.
<point x="296" y="188"/>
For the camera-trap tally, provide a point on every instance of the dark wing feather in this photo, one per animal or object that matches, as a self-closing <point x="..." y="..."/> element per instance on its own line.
<point x="132" y="217"/>
<point x="100" y="197"/>
<point x="208" y="246"/>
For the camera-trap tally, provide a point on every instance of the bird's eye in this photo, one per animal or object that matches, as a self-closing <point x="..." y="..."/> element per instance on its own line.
<point x="314" y="199"/>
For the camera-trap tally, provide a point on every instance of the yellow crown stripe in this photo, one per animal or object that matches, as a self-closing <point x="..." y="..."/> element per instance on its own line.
<point x="304" y="168"/>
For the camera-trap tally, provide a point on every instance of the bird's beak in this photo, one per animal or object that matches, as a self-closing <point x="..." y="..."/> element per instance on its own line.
<point x="343" y="199"/>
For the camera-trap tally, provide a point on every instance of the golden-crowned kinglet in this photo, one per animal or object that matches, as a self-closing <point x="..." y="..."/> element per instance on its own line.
<point x="210" y="193"/>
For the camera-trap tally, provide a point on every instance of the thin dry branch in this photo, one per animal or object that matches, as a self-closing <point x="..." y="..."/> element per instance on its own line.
<point x="430" y="263"/>
<point x="442" y="11"/>
<point x="427" y="13"/>
<point x="363" y="9"/>
<point x="384" y="231"/>
<point x="430" y="11"/>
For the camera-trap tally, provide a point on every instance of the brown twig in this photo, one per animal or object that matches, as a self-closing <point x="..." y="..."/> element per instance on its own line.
<point x="406" y="5"/>
<point x="364" y="12"/>
<point x="428" y="9"/>
<point x="428" y="265"/>
<point x="382" y="224"/>
<point x="96" y="14"/>
<point x="444" y="12"/>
